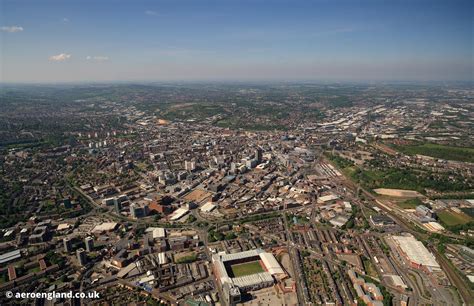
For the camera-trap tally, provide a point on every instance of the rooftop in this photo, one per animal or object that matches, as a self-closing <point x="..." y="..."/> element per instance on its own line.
<point x="416" y="251"/>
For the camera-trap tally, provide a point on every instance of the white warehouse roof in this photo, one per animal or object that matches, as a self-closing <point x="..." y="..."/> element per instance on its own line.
<point x="416" y="251"/>
<point x="208" y="207"/>
<point x="327" y="198"/>
<point x="157" y="232"/>
<point x="180" y="212"/>
<point x="105" y="227"/>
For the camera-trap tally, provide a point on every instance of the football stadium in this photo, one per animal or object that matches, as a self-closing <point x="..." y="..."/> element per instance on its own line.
<point x="246" y="271"/>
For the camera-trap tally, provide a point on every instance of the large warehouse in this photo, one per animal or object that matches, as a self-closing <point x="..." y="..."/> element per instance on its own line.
<point x="248" y="270"/>
<point x="416" y="253"/>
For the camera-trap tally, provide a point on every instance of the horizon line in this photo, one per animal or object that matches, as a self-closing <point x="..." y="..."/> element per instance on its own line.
<point x="227" y="81"/>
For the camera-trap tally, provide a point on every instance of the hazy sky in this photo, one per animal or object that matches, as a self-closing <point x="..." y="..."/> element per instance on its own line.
<point x="105" y="40"/>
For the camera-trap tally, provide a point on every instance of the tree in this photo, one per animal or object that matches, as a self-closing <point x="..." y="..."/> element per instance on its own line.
<point x="230" y="236"/>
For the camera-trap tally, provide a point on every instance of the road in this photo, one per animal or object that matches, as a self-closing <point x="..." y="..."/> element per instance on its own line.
<point x="291" y="252"/>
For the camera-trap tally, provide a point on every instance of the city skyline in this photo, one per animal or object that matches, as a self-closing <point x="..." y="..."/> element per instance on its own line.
<point x="80" y="41"/>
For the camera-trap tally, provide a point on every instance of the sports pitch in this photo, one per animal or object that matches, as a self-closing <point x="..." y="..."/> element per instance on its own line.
<point x="452" y="218"/>
<point x="247" y="268"/>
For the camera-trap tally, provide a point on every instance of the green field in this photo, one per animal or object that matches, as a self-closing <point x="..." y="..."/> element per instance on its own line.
<point x="246" y="268"/>
<point x="406" y="179"/>
<point x="410" y="204"/>
<point x="439" y="151"/>
<point x="452" y="218"/>
<point x="369" y="267"/>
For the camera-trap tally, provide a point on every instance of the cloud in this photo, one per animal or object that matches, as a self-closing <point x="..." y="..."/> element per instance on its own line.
<point x="98" y="58"/>
<point x="65" y="20"/>
<point x="151" y="13"/>
<point x="11" y="29"/>
<point x="60" y="57"/>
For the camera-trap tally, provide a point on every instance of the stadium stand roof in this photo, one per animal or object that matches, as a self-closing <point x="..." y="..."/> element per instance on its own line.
<point x="271" y="264"/>
<point x="253" y="279"/>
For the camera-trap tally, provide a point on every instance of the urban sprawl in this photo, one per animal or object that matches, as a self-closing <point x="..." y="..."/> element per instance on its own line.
<point x="229" y="194"/>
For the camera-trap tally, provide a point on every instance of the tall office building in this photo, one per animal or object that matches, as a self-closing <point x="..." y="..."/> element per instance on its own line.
<point x="117" y="205"/>
<point x="139" y="211"/>
<point x="258" y="154"/>
<point x="89" y="241"/>
<point x="67" y="203"/>
<point x="134" y="211"/>
<point x="67" y="245"/>
<point x="81" y="256"/>
<point x="190" y="165"/>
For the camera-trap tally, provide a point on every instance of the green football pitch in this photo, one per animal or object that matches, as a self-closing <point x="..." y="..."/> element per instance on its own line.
<point x="246" y="268"/>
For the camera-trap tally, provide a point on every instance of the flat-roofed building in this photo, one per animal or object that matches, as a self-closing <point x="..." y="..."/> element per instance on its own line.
<point x="208" y="207"/>
<point x="178" y="214"/>
<point x="157" y="232"/>
<point x="105" y="227"/>
<point x="9" y="256"/>
<point x="416" y="253"/>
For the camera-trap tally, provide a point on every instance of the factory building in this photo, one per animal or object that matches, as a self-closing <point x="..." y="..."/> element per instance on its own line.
<point x="416" y="253"/>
